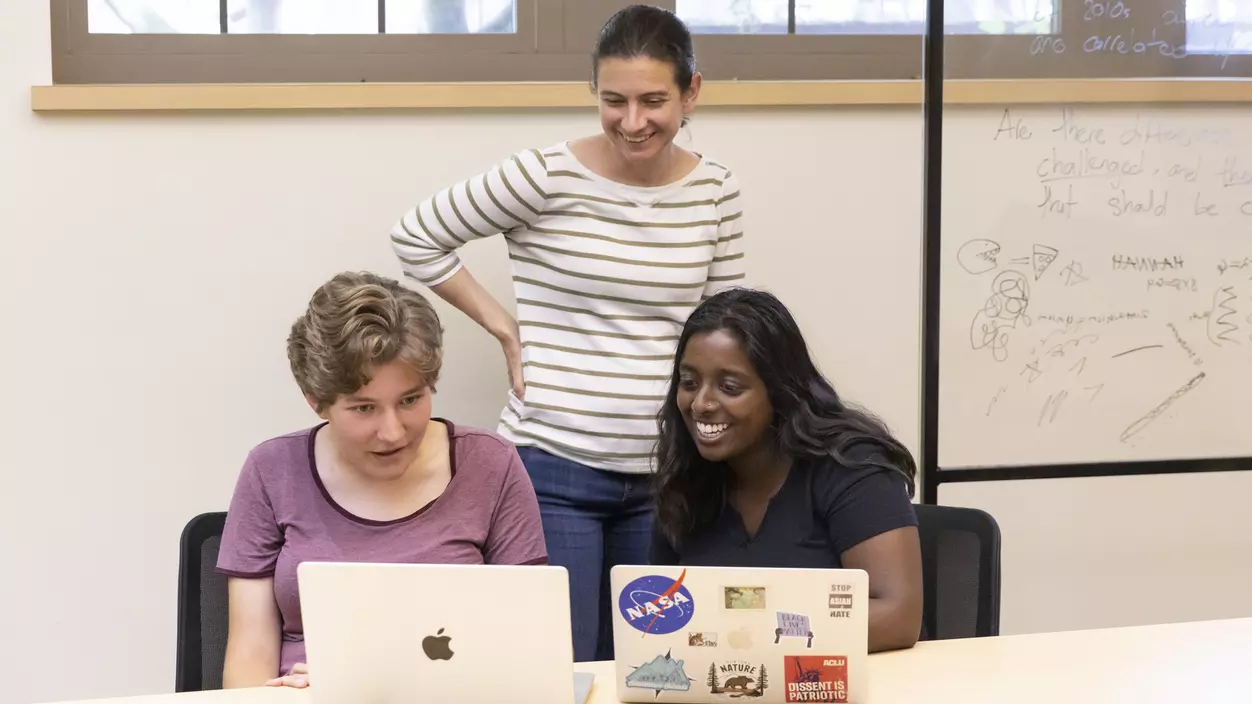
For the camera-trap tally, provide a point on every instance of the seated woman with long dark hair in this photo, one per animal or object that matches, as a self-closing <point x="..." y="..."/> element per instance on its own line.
<point x="761" y="464"/>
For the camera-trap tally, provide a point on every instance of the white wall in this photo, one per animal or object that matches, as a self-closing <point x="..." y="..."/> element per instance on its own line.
<point x="150" y="266"/>
<point x="1119" y="551"/>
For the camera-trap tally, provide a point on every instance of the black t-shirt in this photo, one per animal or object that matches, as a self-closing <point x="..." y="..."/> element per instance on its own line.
<point x="822" y="509"/>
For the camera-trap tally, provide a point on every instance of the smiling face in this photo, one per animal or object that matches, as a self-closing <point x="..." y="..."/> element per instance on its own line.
<point x="723" y="402"/>
<point x="377" y="431"/>
<point x="642" y="106"/>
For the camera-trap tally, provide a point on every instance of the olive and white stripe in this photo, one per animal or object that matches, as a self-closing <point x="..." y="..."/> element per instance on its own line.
<point x="605" y="275"/>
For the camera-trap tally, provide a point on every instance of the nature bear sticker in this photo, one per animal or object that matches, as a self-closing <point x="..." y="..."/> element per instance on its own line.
<point x="656" y="605"/>
<point x="737" y="679"/>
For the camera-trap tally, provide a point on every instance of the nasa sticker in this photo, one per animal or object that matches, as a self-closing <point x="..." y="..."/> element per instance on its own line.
<point x="656" y="605"/>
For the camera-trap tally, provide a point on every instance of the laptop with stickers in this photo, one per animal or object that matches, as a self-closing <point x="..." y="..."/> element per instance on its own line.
<point x="715" y="634"/>
<point x="383" y="633"/>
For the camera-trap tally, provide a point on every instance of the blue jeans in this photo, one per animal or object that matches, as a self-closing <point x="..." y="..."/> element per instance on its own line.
<point x="592" y="520"/>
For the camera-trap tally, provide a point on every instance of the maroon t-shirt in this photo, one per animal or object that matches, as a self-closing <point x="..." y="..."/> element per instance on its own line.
<point x="282" y="515"/>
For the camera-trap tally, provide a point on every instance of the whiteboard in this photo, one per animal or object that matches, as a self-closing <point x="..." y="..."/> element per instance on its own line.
<point x="1095" y="285"/>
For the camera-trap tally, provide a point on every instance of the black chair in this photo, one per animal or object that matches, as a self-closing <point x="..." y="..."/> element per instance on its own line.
<point x="202" y="606"/>
<point x="961" y="572"/>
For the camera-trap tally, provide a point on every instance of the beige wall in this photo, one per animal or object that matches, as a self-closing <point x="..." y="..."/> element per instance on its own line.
<point x="150" y="265"/>
<point x="1119" y="551"/>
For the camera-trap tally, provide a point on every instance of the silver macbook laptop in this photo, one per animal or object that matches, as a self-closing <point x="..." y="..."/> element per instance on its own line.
<point x="708" y="634"/>
<point x="401" y="633"/>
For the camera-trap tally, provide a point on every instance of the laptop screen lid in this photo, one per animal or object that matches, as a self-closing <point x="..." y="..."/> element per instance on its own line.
<point x="382" y="633"/>
<point x="711" y="634"/>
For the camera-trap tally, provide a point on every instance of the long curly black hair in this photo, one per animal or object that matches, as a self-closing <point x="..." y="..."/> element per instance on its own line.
<point x="810" y="420"/>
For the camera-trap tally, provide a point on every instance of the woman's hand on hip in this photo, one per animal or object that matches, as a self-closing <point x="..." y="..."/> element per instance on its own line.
<point x="468" y="296"/>
<point x="297" y="678"/>
<point x="512" y="346"/>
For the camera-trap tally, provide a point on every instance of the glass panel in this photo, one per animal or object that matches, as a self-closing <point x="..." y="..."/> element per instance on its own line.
<point x="302" y="16"/>
<point x="153" y="17"/>
<point x="735" y="16"/>
<point x="869" y="16"/>
<point x="1218" y="26"/>
<point x="451" y="16"/>
<point x="909" y="16"/>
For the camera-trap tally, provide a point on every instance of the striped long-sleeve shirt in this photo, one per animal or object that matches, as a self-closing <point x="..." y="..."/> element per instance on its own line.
<point x="605" y="275"/>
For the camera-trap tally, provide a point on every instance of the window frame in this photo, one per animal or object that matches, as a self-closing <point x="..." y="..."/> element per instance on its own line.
<point x="1009" y="56"/>
<point x="966" y="56"/>
<point x="553" y="43"/>
<point x="80" y="57"/>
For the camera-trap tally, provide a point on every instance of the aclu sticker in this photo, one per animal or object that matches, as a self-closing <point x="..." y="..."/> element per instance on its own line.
<point x="815" y="678"/>
<point x="656" y="605"/>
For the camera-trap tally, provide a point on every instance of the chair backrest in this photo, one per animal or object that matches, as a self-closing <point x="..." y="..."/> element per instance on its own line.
<point x="202" y="606"/>
<point x="961" y="572"/>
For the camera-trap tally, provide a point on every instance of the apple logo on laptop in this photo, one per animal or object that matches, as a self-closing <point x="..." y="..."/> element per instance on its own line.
<point x="436" y="646"/>
<point x="740" y="639"/>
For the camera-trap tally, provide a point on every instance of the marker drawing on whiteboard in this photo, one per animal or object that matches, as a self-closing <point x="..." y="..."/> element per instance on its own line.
<point x="1073" y="274"/>
<point x="1042" y="258"/>
<point x="1225" y="265"/>
<point x="1051" y="407"/>
<point x="1094" y="393"/>
<point x="1033" y="369"/>
<point x="1058" y="350"/>
<point x="1186" y="348"/>
<point x="994" y="399"/>
<point x="999" y="315"/>
<point x="1152" y="415"/>
<point x="978" y="256"/>
<point x="1220" y="327"/>
<point x="1138" y="349"/>
<point x="1232" y="175"/>
<point x="1048" y="338"/>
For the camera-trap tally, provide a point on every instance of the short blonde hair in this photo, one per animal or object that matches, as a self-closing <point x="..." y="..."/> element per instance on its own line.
<point x="358" y="320"/>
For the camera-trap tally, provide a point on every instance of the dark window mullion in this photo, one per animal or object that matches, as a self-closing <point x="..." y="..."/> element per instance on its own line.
<point x="223" y="22"/>
<point x="382" y="16"/>
<point x="791" y="16"/>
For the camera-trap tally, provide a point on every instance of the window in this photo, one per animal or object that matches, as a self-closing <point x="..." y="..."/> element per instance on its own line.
<point x="336" y="41"/>
<point x="855" y="17"/>
<point x="1132" y="39"/>
<point x="205" y="41"/>
<point x="989" y="39"/>
<point x="1219" y="26"/>
<point x="301" y="17"/>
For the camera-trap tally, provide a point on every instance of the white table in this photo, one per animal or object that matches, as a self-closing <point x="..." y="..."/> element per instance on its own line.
<point x="1208" y="662"/>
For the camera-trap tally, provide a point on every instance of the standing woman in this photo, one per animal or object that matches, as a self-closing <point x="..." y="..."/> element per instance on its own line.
<point x="615" y="239"/>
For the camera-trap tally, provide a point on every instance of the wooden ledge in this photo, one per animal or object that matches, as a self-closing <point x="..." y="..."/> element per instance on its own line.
<point x="425" y="96"/>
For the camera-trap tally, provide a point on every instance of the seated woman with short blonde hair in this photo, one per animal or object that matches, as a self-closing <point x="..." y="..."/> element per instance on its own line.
<point x="377" y="480"/>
